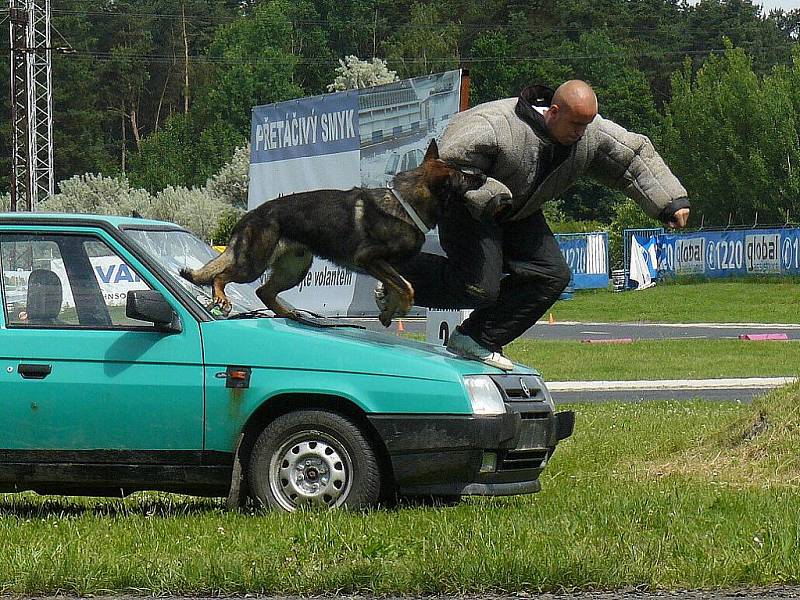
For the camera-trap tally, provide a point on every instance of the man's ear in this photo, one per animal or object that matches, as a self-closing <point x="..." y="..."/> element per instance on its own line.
<point x="433" y="151"/>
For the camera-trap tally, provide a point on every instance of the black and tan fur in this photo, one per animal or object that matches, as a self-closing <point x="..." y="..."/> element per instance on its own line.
<point x="361" y="229"/>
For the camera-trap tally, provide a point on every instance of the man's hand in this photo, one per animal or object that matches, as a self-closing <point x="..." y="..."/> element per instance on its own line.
<point x="490" y="201"/>
<point x="679" y="219"/>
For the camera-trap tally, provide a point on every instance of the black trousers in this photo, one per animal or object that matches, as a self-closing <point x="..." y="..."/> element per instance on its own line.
<point x="510" y="273"/>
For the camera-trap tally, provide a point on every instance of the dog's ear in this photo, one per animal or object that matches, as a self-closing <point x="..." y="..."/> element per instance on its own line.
<point x="433" y="151"/>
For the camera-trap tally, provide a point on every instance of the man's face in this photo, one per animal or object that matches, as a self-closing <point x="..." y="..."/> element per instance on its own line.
<point x="567" y="125"/>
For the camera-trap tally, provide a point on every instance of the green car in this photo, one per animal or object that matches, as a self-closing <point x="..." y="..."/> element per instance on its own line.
<point x="117" y="378"/>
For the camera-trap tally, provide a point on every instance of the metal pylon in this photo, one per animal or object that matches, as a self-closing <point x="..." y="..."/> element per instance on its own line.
<point x="32" y="178"/>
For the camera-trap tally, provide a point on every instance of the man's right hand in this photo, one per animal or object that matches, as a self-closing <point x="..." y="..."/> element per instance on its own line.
<point x="489" y="202"/>
<point x="679" y="219"/>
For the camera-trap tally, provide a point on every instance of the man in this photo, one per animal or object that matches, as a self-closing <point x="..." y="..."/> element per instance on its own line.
<point x="502" y="259"/>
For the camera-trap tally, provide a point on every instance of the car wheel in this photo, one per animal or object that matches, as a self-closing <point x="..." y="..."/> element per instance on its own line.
<point x="313" y="458"/>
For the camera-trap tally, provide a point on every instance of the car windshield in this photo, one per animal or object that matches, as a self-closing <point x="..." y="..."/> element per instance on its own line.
<point x="175" y="249"/>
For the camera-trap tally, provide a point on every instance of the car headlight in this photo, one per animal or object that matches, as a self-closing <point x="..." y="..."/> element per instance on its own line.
<point x="484" y="395"/>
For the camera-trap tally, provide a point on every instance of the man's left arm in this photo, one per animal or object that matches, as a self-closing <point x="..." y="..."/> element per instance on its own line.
<point x="628" y="162"/>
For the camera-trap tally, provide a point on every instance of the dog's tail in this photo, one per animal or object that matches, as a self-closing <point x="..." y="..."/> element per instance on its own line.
<point x="206" y="274"/>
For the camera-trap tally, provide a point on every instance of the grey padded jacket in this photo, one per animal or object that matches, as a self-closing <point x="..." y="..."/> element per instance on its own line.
<point x="498" y="139"/>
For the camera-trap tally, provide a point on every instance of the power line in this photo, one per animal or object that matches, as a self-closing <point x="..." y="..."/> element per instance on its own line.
<point x="166" y="58"/>
<point x="141" y="15"/>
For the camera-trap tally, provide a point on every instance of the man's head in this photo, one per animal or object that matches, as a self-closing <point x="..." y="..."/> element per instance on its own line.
<point x="574" y="106"/>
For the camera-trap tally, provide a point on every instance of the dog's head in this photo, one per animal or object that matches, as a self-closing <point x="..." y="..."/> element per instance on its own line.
<point x="446" y="179"/>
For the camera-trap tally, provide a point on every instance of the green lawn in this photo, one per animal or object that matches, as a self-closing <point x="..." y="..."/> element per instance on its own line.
<point x="666" y="359"/>
<point x="605" y="519"/>
<point x="767" y="301"/>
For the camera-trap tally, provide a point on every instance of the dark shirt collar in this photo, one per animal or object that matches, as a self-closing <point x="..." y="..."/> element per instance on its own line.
<point x="535" y="95"/>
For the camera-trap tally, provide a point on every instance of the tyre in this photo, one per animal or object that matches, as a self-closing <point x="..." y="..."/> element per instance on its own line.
<point x="313" y="458"/>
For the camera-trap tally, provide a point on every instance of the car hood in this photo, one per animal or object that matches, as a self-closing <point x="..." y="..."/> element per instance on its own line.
<point x="286" y="344"/>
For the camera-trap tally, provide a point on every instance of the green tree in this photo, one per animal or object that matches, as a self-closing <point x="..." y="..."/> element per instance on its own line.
<point x="183" y="153"/>
<point x="428" y="45"/>
<point x="732" y="138"/>
<point x="253" y="65"/>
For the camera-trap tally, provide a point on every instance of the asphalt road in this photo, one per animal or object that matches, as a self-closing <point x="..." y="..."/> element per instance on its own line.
<point x="741" y="389"/>
<point x="742" y="395"/>
<point x="635" y="331"/>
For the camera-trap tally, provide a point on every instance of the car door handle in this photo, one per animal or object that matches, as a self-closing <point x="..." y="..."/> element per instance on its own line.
<point x="29" y="371"/>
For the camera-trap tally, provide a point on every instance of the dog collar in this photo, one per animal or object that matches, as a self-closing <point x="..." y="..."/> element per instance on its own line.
<point x="411" y="212"/>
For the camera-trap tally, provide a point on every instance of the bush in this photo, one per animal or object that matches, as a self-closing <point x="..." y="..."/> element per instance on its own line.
<point x="209" y="211"/>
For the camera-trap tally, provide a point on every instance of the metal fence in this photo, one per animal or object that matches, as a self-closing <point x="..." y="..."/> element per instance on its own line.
<point x="627" y="236"/>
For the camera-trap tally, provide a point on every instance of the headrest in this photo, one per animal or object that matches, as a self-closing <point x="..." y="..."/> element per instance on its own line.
<point x="44" y="296"/>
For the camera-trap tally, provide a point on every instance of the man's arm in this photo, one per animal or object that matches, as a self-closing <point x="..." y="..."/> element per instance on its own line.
<point x="628" y="162"/>
<point x="470" y="142"/>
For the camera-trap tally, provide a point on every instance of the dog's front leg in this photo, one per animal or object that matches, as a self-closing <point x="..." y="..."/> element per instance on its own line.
<point x="400" y="293"/>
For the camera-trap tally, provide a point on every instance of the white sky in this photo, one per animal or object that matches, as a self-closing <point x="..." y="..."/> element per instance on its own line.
<point x="784" y="4"/>
<point x="770" y="4"/>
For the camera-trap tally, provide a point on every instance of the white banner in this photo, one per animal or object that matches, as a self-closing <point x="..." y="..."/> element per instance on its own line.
<point x="114" y="276"/>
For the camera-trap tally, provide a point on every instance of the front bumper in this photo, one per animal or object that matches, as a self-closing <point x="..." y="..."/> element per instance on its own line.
<point x="443" y="454"/>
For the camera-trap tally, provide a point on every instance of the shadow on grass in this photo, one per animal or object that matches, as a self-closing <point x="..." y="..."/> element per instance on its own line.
<point x="30" y="506"/>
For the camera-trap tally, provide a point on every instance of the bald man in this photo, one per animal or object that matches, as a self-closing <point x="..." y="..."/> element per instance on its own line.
<point x="502" y="259"/>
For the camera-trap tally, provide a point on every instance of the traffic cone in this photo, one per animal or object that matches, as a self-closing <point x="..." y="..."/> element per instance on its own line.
<point x="400" y="328"/>
<point x="551" y="320"/>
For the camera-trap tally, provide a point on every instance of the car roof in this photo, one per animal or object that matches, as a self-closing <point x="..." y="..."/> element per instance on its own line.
<point x="83" y="219"/>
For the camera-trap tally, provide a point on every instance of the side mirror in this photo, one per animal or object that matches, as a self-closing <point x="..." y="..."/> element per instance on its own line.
<point x="150" y="305"/>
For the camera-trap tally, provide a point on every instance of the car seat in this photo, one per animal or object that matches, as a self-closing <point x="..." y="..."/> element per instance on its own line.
<point x="44" y="297"/>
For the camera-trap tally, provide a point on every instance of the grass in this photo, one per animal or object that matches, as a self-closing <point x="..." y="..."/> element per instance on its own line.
<point x="760" y="445"/>
<point x="664" y="359"/>
<point x="759" y="301"/>
<point x="606" y="518"/>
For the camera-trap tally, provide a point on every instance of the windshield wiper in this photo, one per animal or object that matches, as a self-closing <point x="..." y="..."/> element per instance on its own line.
<point x="306" y="317"/>
<point x="253" y="314"/>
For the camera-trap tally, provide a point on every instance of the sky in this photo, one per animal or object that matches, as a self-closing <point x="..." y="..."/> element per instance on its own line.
<point x="784" y="4"/>
<point x="770" y="4"/>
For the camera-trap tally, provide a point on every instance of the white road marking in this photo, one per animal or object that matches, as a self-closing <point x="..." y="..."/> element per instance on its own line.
<point x="669" y="384"/>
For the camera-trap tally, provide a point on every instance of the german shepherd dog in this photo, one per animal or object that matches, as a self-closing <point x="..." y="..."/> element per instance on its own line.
<point x="361" y="229"/>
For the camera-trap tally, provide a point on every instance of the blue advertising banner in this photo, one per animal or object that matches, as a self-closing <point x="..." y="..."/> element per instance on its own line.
<point x="730" y="253"/>
<point x="305" y="127"/>
<point x="587" y="257"/>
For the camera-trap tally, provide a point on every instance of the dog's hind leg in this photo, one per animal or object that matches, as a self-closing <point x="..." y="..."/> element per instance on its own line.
<point x="289" y="265"/>
<point x="215" y="272"/>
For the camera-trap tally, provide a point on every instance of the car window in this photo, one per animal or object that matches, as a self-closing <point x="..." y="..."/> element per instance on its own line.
<point x="391" y="166"/>
<point x="64" y="281"/>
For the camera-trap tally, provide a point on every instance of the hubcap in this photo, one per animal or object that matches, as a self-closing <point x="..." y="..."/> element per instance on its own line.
<point x="310" y="469"/>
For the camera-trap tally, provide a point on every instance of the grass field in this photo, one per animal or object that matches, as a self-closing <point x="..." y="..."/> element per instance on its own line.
<point x="759" y="301"/>
<point x="665" y="359"/>
<point x="622" y="505"/>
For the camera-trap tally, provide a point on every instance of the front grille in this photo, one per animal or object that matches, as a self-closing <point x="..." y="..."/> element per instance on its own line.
<point x="527" y="415"/>
<point x="514" y="387"/>
<point x="516" y="460"/>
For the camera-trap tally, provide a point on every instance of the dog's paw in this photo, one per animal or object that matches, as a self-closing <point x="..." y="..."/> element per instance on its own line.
<point x="220" y="307"/>
<point x="385" y="319"/>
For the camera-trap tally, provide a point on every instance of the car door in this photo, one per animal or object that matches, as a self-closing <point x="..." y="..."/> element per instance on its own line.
<point x="79" y="379"/>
